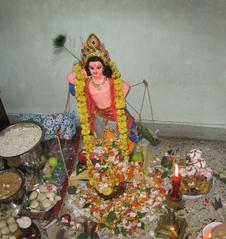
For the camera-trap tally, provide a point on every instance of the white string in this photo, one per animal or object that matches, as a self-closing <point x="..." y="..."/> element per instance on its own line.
<point x="150" y="104"/>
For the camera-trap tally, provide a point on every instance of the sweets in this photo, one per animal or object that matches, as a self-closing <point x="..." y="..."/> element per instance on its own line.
<point x="24" y="222"/>
<point x="43" y="197"/>
<point x="196" y="175"/>
<point x="8" y="226"/>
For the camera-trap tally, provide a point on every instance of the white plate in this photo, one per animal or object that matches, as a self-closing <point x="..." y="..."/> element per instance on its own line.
<point x="208" y="228"/>
<point x="193" y="197"/>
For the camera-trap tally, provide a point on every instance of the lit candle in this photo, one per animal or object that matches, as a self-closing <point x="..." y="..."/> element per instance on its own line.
<point x="176" y="184"/>
<point x="210" y="235"/>
<point x="173" y="233"/>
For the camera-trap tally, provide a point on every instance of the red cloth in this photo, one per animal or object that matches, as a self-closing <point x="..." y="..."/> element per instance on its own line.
<point x="109" y="113"/>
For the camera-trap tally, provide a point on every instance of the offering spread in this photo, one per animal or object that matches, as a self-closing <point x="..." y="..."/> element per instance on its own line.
<point x="119" y="196"/>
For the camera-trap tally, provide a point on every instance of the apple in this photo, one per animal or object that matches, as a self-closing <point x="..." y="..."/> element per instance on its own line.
<point x="53" y="161"/>
<point x="43" y="158"/>
<point x="82" y="157"/>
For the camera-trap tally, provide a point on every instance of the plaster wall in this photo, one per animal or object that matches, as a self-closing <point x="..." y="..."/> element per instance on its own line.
<point x="178" y="46"/>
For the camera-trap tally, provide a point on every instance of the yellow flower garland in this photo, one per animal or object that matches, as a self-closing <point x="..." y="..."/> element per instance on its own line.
<point x="82" y="109"/>
<point x="120" y="110"/>
<point x="119" y="103"/>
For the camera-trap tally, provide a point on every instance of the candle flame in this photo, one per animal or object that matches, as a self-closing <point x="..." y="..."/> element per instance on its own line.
<point x="176" y="170"/>
<point x="210" y="235"/>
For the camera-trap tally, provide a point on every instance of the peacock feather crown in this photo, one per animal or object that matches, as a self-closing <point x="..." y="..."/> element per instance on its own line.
<point x="93" y="47"/>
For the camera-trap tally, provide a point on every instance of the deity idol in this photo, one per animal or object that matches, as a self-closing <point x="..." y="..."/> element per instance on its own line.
<point x="100" y="94"/>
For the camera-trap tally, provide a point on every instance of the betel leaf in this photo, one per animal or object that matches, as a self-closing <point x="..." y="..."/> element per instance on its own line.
<point x="141" y="214"/>
<point x="94" y="235"/>
<point x="111" y="217"/>
<point x="170" y="165"/>
<point x="142" y="226"/>
<point x="95" y="161"/>
<point x="87" y="205"/>
<point x="103" y="169"/>
<point x="128" y="205"/>
<point x="80" y="168"/>
<point x="114" y="144"/>
<point x="164" y="162"/>
<point x="83" y="236"/>
<point x="117" y="230"/>
<point x="102" y="225"/>
<point x="164" y="174"/>
<point x="105" y="155"/>
<point x="123" y="231"/>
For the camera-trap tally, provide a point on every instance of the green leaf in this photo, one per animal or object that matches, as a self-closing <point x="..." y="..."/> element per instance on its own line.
<point x="105" y="155"/>
<point x="87" y="205"/>
<point x="146" y="133"/>
<point x="102" y="225"/>
<point x="141" y="214"/>
<point x="142" y="226"/>
<point x="103" y="169"/>
<point x="117" y="230"/>
<point x="95" y="161"/>
<point x="83" y="236"/>
<point x="94" y="235"/>
<point x="114" y="144"/>
<point x="123" y="231"/>
<point x="111" y="217"/>
<point x="170" y="165"/>
<point x="164" y="174"/>
<point x="164" y="162"/>
<point x="128" y="205"/>
<point x="80" y="168"/>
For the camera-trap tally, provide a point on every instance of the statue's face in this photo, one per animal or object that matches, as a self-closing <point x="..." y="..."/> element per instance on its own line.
<point x="96" y="69"/>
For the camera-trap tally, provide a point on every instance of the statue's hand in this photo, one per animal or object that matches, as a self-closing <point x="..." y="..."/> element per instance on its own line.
<point x="71" y="77"/>
<point x="71" y="80"/>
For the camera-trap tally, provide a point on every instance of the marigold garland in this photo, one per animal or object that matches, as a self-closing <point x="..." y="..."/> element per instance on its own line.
<point x="82" y="109"/>
<point x="120" y="111"/>
<point x="119" y="104"/>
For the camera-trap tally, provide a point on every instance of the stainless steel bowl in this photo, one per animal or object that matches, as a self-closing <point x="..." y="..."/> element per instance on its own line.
<point x="32" y="157"/>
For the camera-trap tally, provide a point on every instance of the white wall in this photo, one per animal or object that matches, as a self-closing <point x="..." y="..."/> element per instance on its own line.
<point x="179" y="46"/>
